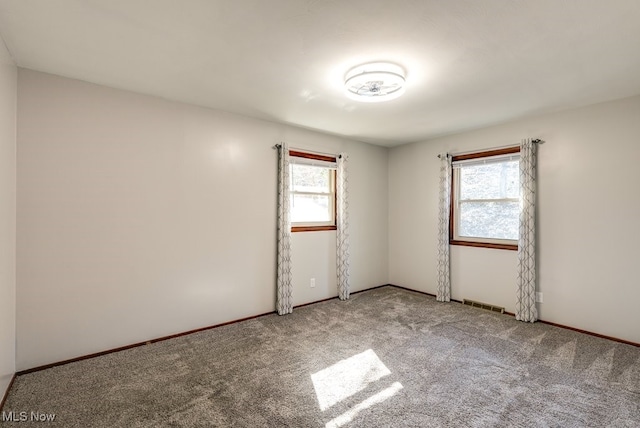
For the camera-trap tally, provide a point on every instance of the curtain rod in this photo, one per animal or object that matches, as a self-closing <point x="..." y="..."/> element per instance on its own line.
<point x="309" y="151"/>
<point x="535" y="141"/>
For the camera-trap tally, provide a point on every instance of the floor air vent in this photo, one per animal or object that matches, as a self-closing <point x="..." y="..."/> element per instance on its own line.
<point x="483" y="306"/>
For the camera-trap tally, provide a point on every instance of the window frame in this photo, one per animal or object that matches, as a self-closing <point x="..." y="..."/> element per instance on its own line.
<point x="453" y="211"/>
<point x="334" y="178"/>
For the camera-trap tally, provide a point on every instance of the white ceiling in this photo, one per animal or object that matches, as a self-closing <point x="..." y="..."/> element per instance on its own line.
<point x="469" y="63"/>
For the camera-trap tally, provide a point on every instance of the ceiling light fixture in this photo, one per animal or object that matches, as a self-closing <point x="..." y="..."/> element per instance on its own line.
<point x="375" y="82"/>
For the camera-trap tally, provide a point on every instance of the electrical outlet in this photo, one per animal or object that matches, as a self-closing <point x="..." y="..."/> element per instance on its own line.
<point x="539" y="297"/>
<point x="313" y="282"/>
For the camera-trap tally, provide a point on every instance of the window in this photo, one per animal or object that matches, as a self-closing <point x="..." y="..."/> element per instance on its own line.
<point x="313" y="192"/>
<point x="485" y="203"/>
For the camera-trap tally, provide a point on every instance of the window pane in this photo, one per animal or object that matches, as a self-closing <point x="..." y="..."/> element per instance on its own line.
<point x="491" y="181"/>
<point x="497" y="220"/>
<point x="305" y="178"/>
<point x="310" y="208"/>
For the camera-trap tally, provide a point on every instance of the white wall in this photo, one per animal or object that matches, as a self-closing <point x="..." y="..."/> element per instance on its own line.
<point x="589" y="218"/>
<point x="368" y="201"/>
<point x="140" y="218"/>
<point x="8" y="91"/>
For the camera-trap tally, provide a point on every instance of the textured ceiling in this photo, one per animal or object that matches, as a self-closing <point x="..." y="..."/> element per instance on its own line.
<point x="469" y="63"/>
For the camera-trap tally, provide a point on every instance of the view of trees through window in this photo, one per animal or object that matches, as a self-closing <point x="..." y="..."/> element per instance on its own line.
<point x="489" y="200"/>
<point x="311" y="194"/>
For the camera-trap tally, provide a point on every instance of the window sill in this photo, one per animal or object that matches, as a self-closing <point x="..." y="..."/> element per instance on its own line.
<point x="312" y="228"/>
<point x="510" y="247"/>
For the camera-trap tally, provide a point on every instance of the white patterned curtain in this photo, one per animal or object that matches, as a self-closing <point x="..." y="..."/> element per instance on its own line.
<point x="526" y="292"/>
<point x="443" y="293"/>
<point x="342" y="233"/>
<point x="284" y="287"/>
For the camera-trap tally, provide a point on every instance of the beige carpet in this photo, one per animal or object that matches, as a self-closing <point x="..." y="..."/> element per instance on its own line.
<point x="387" y="357"/>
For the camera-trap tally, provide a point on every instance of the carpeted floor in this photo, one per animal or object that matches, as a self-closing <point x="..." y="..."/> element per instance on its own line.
<point x="386" y="358"/>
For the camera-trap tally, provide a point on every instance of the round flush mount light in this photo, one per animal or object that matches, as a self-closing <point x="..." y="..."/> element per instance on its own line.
<point x="375" y="82"/>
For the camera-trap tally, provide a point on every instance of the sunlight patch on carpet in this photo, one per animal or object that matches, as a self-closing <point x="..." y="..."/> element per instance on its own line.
<point x="350" y="414"/>
<point x="347" y="377"/>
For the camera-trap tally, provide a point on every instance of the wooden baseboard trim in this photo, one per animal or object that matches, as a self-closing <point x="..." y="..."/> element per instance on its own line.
<point x="590" y="333"/>
<point x="172" y="336"/>
<point x="6" y="393"/>
<point x="135" y="345"/>
<point x="421" y="292"/>
<point x="369" y="289"/>
<point x="314" y="302"/>
<point x="335" y="297"/>
<point x="412" y="290"/>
